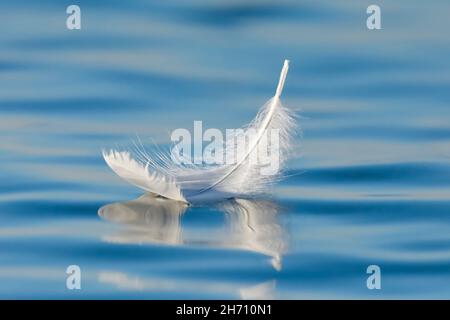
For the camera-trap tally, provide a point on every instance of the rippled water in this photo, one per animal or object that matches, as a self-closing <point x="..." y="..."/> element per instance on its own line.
<point x="369" y="182"/>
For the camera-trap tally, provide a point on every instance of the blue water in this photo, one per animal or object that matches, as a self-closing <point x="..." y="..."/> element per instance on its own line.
<point x="369" y="178"/>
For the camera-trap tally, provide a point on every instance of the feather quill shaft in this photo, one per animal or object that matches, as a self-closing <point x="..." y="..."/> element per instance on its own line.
<point x="261" y="130"/>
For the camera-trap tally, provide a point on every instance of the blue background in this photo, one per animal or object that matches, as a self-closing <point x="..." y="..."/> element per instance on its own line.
<point x="370" y="177"/>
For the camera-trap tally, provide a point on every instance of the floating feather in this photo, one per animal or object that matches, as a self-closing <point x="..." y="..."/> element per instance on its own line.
<point x="190" y="182"/>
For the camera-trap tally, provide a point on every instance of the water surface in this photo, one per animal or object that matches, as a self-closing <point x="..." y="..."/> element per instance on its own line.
<point x="369" y="179"/>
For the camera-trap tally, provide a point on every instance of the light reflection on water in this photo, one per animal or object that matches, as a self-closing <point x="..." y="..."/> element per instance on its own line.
<point x="369" y="182"/>
<point x="250" y="225"/>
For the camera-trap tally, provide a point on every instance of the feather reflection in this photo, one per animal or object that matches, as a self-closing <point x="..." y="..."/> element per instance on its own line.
<point x="148" y="219"/>
<point x="250" y="225"/>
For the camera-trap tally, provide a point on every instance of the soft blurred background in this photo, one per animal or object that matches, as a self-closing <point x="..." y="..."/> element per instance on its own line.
<point x="370" y="181"/>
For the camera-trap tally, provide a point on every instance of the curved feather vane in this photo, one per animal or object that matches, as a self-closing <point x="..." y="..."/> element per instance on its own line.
<point x="134" y="172"/>
<point x="271" y="131"/>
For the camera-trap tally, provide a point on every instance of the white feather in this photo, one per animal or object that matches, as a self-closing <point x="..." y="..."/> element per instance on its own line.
<point x="136" y="173"/>
<point x="190" y="182"/>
